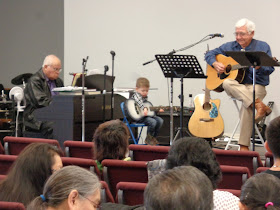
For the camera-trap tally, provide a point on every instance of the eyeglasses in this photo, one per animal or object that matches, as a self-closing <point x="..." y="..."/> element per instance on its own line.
<point x="95" y="205"/>
<point x="240" y="34"/>
<point x="56" y="69"/>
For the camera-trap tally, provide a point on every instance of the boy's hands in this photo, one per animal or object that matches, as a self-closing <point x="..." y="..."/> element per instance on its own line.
<point x="145" y="111"/>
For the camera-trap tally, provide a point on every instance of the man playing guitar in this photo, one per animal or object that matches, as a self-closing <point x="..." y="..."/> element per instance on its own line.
<point x="244" y="33"/>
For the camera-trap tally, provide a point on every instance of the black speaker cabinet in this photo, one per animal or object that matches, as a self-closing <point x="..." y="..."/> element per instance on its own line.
<point x="164" y="133"/>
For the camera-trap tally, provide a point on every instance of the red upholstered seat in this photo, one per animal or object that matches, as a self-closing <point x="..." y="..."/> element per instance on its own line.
<point x="6" y="161"/>
<point x="78" y="149"/>
<point x="106" y="195"/>
<point x="130" y="193"/>
<point x="115" y="171"/>
<point x="82" y="162"/>
<point x="14" y="145"/>
<point x="249" y="159"/>
<point x="11" y="206"/>
<point x="233" y="177"/>
<point x="262" y="169"/>
<point x="147" y="152"/>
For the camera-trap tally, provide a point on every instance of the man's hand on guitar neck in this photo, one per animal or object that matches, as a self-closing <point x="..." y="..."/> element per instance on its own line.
<point x="219" y="67"/>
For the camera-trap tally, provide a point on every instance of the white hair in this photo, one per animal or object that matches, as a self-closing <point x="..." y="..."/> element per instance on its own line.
<point x="49" y="60"/>
<point x="245" y="22"/>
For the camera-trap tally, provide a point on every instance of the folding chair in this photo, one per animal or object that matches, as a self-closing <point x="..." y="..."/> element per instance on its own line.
<point x="236" y="126"/>
<point x="132" y="125"/>
<point x="147" y="152"/>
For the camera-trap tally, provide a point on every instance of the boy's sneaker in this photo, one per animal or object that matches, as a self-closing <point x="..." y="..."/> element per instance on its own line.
<point x="149" y="140"/>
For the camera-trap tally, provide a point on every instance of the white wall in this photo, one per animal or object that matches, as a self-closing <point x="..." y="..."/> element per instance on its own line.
<point x="137" y="30"/>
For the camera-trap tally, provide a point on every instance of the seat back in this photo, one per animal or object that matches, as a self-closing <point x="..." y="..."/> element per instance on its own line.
<point x="106" y="195"/>
<point x="6" y="161"/>
<point x="262" y="169"/>
<point x="78" y="149"/>
<point x="82" y="162"/>
<point x="147" y="152"/>
<point x="269" y="161"/>
<point x="2" y="177"/>
<point x="1" y="149"/>
<point x="14" y="145"/>
<point x="130" y="193"/>
<point x="125" y="120"/>
<point x="233" y="177"/>
<point x="249" y="159"/>
<point x="115" y="171"/>
<point x="11" y="206"/>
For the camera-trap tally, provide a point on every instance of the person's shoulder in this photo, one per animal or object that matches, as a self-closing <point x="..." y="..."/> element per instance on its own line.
<point x="225" y="200"/>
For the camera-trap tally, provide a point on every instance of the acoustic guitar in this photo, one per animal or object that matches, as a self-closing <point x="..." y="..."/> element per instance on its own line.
<point x="206" y="121"/>
<point x="233" y="71"/>
<point x="135" y="113"/>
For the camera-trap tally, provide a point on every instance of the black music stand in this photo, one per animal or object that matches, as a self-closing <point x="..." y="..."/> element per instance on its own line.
<point x="179" y="66"/>
<point x="254" y="59"/>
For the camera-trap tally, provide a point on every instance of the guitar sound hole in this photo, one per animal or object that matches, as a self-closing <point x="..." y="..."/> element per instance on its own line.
<point x="228" y="68"/>
<point x="207" y="106"/>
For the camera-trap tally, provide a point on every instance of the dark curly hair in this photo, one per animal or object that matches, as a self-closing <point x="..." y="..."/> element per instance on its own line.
<point x="111" y="140"/>
<point x="193" y="151"/>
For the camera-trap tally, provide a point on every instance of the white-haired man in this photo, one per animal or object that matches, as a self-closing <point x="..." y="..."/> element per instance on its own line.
<point x="38" y="94"/>
<point x="244" y="33"/>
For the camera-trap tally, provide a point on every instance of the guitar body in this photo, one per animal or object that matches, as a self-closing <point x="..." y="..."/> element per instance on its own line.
<point x="134" y="112"/>
<point x="214" y="81"/>
<point x="206" y="121"/>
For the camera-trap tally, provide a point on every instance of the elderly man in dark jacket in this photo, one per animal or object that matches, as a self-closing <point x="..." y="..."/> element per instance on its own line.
<point x="38" y="94"/>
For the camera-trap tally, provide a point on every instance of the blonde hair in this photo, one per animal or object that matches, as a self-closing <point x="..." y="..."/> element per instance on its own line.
<point x="142" y="82"/>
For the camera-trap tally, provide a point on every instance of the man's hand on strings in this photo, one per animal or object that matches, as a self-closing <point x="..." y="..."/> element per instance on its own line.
<point x="220" y="68"/>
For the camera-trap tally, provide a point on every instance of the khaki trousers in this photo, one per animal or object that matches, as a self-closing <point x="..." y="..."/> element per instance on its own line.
<point x="244" y="93"/>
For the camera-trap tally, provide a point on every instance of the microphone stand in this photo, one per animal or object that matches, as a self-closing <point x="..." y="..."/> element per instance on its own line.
<point x="106" y="68"/>
<point x="171" y="93"/>
<point x="185" y="48"/>
<point x="84" y="63"/>
<point x="112" y="92"/>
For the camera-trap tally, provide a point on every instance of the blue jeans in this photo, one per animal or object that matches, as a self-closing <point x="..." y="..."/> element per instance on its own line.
<point x="154" y="124"/>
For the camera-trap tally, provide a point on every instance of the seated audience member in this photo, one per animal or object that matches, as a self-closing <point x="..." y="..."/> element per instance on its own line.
<point x="261" y="191"/>
<point x="183" y="187"/>
<point x="273" y="144"/>
<point x="71" y="187"/>
<point x="193" y="151"/>
<point x="29" y="173"/>
<point x="110" y="141"/>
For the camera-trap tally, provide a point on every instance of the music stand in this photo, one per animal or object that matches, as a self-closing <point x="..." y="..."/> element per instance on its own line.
<point x="254" y="59"/>
<point x="179" y="66"/>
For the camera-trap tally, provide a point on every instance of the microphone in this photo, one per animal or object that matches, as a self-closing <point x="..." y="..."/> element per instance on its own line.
<point x="113" y="53"/>
<point x="216" y="35"/>
<point x="106" y="68"/>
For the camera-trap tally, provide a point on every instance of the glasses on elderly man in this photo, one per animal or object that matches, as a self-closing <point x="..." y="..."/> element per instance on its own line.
<point x="240" y="34"/>
<point x="56" y="69"/>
